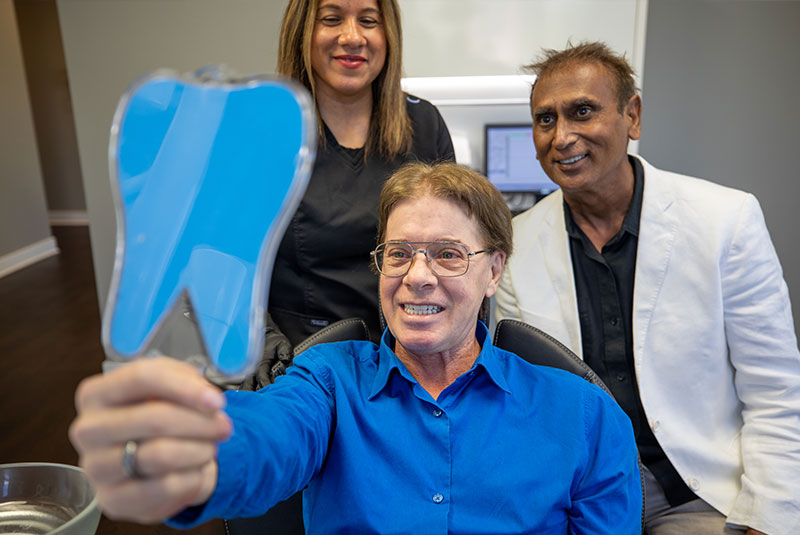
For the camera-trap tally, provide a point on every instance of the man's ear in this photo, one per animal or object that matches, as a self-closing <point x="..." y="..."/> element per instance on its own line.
<point x="497" y="264"/>
<point x="633" y="113"/>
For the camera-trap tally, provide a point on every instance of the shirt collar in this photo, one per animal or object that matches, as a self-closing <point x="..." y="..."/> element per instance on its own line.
<point x="488" y="359"/>
<point x="388" y="361"/>
<point x="631" y="222"/>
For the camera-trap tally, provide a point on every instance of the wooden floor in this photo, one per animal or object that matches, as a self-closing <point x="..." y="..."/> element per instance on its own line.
<point x="49" y="341"/>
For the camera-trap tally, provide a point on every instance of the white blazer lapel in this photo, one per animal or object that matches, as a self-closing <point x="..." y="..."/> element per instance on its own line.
<point x="658" y="226"/>
<point x="555" y="250"/>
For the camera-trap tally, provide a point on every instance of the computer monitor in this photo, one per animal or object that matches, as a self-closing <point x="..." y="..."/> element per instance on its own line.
<point x="511" y="163"/>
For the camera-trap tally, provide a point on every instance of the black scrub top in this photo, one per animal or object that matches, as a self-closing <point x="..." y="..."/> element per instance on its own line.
<point x="322" y="271"/>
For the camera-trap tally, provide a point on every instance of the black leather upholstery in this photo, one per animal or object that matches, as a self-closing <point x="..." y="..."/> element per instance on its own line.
<point x="340" y="331"/>
<point x="286" y="518"/>
<point x="538" y="347"/>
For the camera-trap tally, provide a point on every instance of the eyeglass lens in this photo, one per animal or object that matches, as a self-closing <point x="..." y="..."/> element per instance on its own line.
<point x="447" y="259"/>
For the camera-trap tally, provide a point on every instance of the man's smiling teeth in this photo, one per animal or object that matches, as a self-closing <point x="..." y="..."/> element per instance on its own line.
<point x="572" y="160"/>
<point x="420" y="310"/>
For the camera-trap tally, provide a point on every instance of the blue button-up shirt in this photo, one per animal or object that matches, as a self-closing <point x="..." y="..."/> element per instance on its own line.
<point x="507" y="448"/>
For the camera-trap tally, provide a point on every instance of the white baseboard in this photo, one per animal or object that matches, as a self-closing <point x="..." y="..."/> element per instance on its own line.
<point x="68" y="218"/>
<point x="28" y="255"/>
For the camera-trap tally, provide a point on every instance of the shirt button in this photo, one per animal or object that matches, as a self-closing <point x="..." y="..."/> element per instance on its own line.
<point x="614" y="321"/>
<point x="694" y="484"/>
<point x="438" y="498"/>
<point x="437" y="413"/>
<point x="620" y="377"/>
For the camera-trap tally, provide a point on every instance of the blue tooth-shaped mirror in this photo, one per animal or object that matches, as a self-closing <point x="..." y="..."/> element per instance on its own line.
<point x="206" y="173"/>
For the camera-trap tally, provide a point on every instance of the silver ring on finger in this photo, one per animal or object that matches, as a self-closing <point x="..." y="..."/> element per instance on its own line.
<point x="129" y="465"/>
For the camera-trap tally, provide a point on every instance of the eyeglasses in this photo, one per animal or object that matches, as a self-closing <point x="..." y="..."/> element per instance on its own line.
<point x="445" y="258"/>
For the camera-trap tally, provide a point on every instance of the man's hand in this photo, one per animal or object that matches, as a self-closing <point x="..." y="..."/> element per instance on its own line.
<point x="168" y="419"/>
<point x="751" y="531"/>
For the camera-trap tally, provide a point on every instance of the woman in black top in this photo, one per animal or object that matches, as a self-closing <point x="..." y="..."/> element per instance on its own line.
<point x="348" y="54"/>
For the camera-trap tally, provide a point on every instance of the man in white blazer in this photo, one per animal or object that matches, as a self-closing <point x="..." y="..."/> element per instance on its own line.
<point x="670" y="287"/>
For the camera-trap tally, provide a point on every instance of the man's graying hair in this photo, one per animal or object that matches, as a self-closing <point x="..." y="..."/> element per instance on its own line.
<point x="448" y="180"/>
<point x="553" y="60"/>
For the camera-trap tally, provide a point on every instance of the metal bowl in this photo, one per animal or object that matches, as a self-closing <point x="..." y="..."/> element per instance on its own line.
<point x="46" y="498"/>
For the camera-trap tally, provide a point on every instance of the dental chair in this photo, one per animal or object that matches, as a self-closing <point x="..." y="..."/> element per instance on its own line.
<point x="530" y="343"/>
<point x="538" y="347"/>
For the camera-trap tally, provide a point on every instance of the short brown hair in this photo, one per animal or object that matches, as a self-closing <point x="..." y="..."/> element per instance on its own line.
<point x="471" y="190"/>
<point x="390" y="127"/>
<point x="552" y="60"/>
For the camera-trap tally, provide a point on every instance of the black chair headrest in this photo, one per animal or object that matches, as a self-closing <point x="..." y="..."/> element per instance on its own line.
<point x="538" y="347"/>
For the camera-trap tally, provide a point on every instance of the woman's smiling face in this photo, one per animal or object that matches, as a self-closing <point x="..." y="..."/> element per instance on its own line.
<point x="348" y="46"/>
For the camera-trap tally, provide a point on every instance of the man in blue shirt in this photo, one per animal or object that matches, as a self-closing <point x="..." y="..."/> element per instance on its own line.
<point x="499" y="451"/>
<point x="433" y="431"/>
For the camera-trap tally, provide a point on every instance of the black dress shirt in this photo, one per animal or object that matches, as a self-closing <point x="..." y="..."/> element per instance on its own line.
<point x="604" y="285"/>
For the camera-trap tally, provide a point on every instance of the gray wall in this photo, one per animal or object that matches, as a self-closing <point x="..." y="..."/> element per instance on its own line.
<point x="23" y="214"/>
<point x="720" y="102"/>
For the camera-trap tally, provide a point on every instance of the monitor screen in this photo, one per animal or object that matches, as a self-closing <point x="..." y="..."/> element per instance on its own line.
<point x="511" y="163"/>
